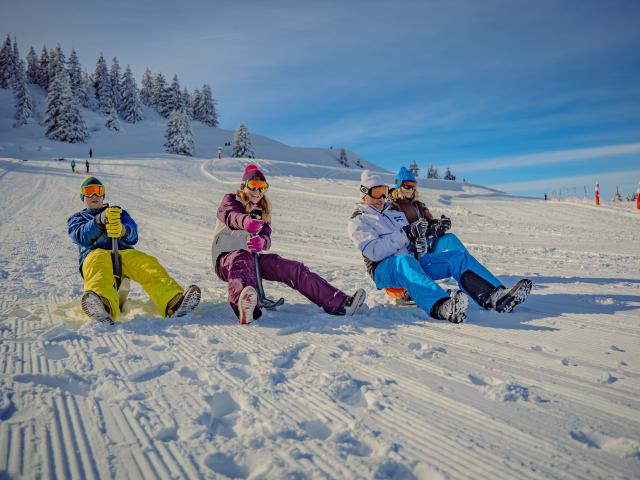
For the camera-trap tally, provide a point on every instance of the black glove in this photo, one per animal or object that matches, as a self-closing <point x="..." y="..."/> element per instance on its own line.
<point x="417" y="229"/>
<point x="421" y="246"/>
<point x="442" y="226"/>
<point x="101" y="219"/>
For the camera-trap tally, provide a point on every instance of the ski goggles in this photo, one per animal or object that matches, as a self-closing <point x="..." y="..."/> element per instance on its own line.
<point x="377" y="192"/>
<point x="255" y="184"/>
<point x="89" y="190"/>
<point x="408" y="184"/>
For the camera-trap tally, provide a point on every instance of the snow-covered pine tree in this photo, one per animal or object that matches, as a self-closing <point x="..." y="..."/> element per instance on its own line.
<point x="7" y="67"/>
<point x="112" y="122"/>
<point x="146" y="89"/>
<point x="448" y="175"/>
<point x="130" y="106"/>
<point x="242" y="143"/>
<point x="15" y="60"/>
<point x="57" y="61"/>
<point x="413" y="168"/>
<point x="208" y="114"/>
<point x="32" y="66"/>
<point x="22" y="96"/>
<point x="114" y="80"/>
<point x="88" y="93"/>
<point x="43" y="69"/>
<point x="432" y="172"/>
<point x="196" y="104"/>
<point x="173" y="99"/>
<point x="179" y="138"/>
<point x="63" y="121"/>
<point x="102" y="85"/>
<point x="75" y="77"/>
<point x="186" y="103"/>
<point x="159" y="92"/>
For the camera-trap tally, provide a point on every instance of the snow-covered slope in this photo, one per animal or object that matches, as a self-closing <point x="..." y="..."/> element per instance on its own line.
<point x="550" y="391"/>
<point x="146" y="138"/>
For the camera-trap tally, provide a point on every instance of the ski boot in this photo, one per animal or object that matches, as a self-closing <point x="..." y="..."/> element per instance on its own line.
<point x="184" y="303"/>
<point x="504" y="301"/>
<point x="247" y="304"/>
<point x="352" y="304"/>
<point x="94" y="307"/>
<point x="453" y="309"/>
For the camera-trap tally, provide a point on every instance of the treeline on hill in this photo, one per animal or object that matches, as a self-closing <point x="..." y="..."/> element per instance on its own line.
<point x="107" y="90"/>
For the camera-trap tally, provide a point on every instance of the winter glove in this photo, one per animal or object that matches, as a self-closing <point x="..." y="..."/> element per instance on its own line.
<point x="442" y="226"/>
<point x="115" y="229"/>
<point x="420" y="246"/>
<point x="101" y="219"/>
<point x="253" y="225"/>
<point x="113" y="214"/>
<point x="417" y="229"/>
<point x="256" y="244"/>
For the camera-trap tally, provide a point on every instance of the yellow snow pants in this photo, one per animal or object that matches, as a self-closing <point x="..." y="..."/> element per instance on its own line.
<point x="97" y="271"/>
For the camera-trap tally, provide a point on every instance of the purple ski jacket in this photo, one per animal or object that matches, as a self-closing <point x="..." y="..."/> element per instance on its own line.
<point x="229" y="233"/>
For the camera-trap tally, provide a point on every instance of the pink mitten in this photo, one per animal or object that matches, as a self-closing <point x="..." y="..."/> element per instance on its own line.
<point x="255" y="244"/>
<point x="253" y="225"/>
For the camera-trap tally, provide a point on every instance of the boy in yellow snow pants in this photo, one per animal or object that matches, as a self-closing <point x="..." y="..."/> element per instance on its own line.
<point x="93" y="230"/>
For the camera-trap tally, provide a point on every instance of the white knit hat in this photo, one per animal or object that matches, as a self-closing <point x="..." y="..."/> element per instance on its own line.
<point x="368" y="179"/>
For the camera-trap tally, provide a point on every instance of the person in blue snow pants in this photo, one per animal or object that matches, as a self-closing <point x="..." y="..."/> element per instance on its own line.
<point x="395" y="258"/>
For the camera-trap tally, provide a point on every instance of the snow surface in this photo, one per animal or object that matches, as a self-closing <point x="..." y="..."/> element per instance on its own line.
<point x="550" y="391"/>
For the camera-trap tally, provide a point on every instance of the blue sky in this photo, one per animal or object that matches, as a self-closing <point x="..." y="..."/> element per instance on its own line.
<point x="528" y="96"/>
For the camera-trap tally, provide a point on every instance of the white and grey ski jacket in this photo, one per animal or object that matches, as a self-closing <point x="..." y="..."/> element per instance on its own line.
<point x="378" y="234"/>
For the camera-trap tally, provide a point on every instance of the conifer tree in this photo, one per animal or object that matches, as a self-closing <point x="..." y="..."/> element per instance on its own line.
<point x="146" y="89"/>
<point x="173" y="99"/>
<point x="22" y="96"/>
<point x="112" y="122"/>
<point x="159" y="93"/>
<point x="57" y="62"/>
<point x="32" y="66"/>
<point x="75" y="77"/>
<point x="242" y="143"/>
<point x="114" y="80"/>
<point x="7" y="67"/>
<point x="179" y="138"/>
<point x="186" y="103"/>
<point x="102" y="86"/>
<point x="43" y="70"/>
<point x="207" y="113"/>
<point x="63" y="121"/>
<point x="87" y="93"/>
<point x="196" y="104"/>
<point x="130" y="106"/>
<point x="15" y="62"/>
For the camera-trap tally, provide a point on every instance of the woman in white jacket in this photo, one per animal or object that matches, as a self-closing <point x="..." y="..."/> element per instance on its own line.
<point x="387" y="242"/>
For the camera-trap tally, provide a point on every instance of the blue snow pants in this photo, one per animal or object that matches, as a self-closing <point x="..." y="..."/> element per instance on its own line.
<point x="448" y="243"/>
<point x="418" y="276"/>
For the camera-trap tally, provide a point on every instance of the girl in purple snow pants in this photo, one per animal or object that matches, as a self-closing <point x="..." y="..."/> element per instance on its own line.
<point x="243" y="227"/>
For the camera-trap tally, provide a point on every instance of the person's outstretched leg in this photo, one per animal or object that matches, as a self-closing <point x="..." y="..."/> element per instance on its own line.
<point x="295" y="274"/>
<point x="154" y="279"/>
<point x="97" y="272"/>
<point x="472" y="277"/>
<point x="237" y="269"/>
<point x="404" y="271"/>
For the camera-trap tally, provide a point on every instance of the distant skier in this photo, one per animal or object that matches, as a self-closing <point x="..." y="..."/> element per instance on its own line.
<point x="90" y="153"/>
<point x="73" y="166"/>
<point x="87" y="165"/>
<point x="238" y="233"/>
<point x="388" y="242"/>
<point x="93" y="229"/>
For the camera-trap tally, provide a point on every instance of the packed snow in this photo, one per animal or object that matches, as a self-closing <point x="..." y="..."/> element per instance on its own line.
<point x="549" y="391"/>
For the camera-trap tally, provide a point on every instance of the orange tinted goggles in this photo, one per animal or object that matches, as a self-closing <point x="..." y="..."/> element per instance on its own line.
<point x="93" y="190"/>
<point x="377" y="192"/>
<point x="255" y="184"/>
<point x="409" y="184"/>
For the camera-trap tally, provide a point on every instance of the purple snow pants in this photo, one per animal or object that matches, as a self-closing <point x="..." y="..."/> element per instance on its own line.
<point x="238" y="270"/>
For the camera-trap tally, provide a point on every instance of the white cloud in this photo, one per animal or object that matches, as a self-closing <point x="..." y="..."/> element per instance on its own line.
<point x="544" y="158"/>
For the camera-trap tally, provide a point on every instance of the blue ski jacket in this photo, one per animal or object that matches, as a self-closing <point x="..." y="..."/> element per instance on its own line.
<point x="85" y="232"/>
